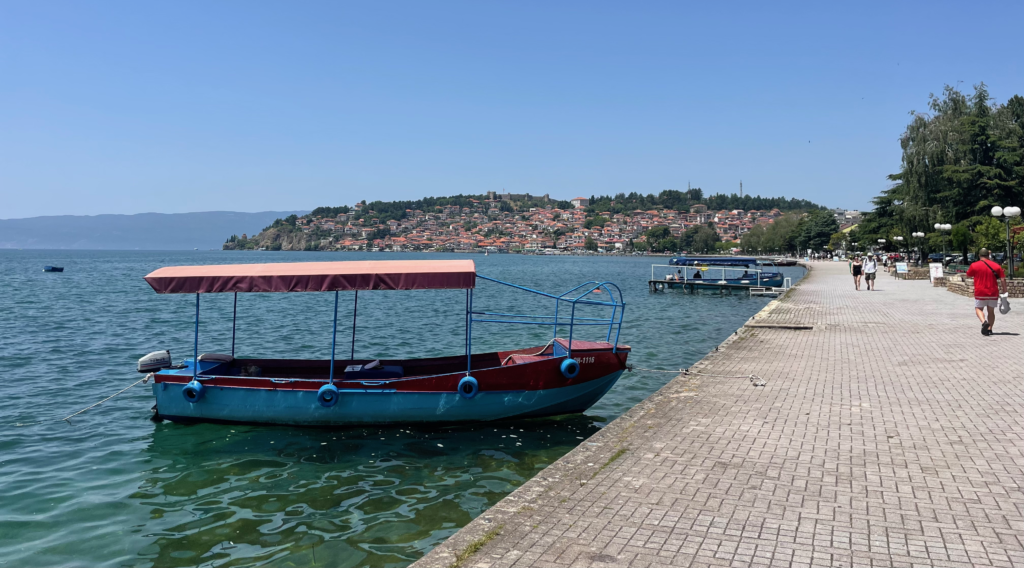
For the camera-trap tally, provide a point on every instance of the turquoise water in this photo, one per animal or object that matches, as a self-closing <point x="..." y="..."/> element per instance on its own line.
<point x="116" y="489"/>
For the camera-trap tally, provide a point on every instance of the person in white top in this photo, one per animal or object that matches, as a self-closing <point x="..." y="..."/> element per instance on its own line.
<point x="870" y="268"/>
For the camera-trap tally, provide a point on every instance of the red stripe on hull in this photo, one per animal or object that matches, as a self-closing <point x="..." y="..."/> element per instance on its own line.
<point x="533" y="375"/>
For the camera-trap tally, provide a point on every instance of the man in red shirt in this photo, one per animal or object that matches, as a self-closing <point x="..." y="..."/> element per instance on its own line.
<point x="989" y="282"/>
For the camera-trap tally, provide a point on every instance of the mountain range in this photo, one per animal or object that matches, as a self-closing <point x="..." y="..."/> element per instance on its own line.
<point x="143" y="231"/>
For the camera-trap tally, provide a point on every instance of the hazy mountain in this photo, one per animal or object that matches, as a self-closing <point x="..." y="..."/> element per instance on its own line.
<point x="147" y="231"/>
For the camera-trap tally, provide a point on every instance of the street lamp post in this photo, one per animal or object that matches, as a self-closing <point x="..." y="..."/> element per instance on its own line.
<point x="943" y="227"/>
<point x="899" y="241"/>
<point x="918" y="235"/>
<point x="1007" y="213"/>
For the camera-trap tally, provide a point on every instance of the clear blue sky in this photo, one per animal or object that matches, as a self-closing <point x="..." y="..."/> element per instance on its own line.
<point x="127" y="107"/>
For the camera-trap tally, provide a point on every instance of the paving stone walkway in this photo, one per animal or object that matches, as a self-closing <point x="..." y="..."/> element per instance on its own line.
<point x="890" y="434"/>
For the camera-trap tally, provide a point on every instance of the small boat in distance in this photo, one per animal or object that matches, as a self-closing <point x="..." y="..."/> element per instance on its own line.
<point x="564" y="376"/>
<point x="716" y="273"/>
<point x="53" y="269"/>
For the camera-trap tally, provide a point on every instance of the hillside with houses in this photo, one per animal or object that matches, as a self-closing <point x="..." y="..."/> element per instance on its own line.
<point x="502" y="222"/>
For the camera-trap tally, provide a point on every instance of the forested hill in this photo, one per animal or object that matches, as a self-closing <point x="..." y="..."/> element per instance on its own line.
<point x="385" y="211"/>
<point x="144" y="231"/>
<point x="682" y="200"/>
<point x="507" y="221"/>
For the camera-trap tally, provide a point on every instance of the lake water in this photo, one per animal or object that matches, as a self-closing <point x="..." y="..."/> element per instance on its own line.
<point x="116" y="489"/>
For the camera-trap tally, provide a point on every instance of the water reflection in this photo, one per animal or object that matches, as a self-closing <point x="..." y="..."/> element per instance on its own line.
<point x="114" y="489"/>
<point x="250" y="495"/>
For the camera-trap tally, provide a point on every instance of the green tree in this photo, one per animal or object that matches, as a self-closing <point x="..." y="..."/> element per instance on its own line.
<point x="660" y="239"/>
<point x="963" y="156"/>
<point x="777" y="237"/>
<point x="838" y="241"/>
<point x="752" y="242"/>
<point x="815" y="230"/>
<point x="704" y="240"/>
<point x="658" y="233"/>
<point x="590" y="244"/>
<point x="682" y="201"/>
<point x="991" y="234"/>
<point x="961" y="238"/>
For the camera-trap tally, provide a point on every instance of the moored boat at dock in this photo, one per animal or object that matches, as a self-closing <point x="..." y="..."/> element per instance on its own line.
<point x="716" y="273"/>
<point x="567" y="375"/>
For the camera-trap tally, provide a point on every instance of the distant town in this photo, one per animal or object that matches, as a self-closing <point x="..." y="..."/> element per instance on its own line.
<point x="505" y="222"/>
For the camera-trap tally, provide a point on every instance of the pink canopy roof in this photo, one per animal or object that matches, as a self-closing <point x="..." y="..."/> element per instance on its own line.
<point x="315" y="276"/>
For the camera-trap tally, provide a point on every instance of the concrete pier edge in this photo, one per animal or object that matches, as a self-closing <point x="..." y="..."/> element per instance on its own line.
<point x="596" y="456"/>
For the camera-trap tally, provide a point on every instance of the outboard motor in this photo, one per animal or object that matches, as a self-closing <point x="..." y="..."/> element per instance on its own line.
<point x="155" y="361"/>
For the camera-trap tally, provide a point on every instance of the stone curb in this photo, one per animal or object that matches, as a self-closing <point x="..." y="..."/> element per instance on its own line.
<point x="574" y="470"/>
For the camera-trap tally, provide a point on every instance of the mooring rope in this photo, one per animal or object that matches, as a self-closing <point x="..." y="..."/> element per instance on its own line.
<point x="754" y="379"/>
<point x="142" y="380"/>
<point x="541" y="352"/>
<point x="68" y="418"/>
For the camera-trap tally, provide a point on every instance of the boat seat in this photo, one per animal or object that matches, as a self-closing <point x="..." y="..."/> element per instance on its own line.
<point x="378" y="374"/>
<point x="216" y="357"/>
<point x="579" y="345"/>
<point x="519" y="358"/>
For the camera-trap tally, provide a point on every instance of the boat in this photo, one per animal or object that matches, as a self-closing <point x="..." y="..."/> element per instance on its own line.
<point x="53" y="269"/>
<point x="565" y="376"/>
<point x="716" y="273"/>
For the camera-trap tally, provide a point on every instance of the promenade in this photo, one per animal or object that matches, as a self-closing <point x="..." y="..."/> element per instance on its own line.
<point x="891" y="433"/>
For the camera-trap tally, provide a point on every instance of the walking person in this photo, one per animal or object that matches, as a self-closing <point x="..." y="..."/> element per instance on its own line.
<point x="856" y="267"/>
<point x="870" y="268"/>
<point x="989" y="282"/>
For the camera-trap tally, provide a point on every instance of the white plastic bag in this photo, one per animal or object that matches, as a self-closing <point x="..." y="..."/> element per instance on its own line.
<point x="1004" y="303"/>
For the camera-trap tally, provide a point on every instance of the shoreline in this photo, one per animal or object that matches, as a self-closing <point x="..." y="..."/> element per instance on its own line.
<point x="864" y="446"/>
<point x="582" y="463"/>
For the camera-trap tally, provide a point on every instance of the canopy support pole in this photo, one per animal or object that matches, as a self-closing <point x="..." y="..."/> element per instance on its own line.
<point x="334" y="335"/>
<point x="465" y="341"/>
<point x="572" y="322"/>
<point x="195" y="347"/>
<point x="611" y="321"/>
<point x="234" y="320"/>
<point x="469" y="331"/>
<point x="555" y="335"/>
<point x="355" y="310"/>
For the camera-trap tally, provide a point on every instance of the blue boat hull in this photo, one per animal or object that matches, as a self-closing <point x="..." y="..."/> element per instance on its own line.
<point x="773" y="281"/>
<point x="752" y="282"/>
<point x="357" y="407"/>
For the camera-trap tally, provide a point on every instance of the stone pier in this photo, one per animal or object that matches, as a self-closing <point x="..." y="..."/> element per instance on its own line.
<point x="890" y="433"/>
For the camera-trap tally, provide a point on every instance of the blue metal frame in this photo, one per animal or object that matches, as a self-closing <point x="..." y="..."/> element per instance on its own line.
<point x="334" y="336"/>
<point x="355" y="310"/>
<point x="195" y="348"/>
<point x="234" y="321"/>
<point x="469" y="331"/>
<point x="616" y="304"/>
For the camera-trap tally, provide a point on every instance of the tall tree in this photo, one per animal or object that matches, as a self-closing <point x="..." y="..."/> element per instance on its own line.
<point x="959" y="159"/>
<point x="815" y="231"/>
